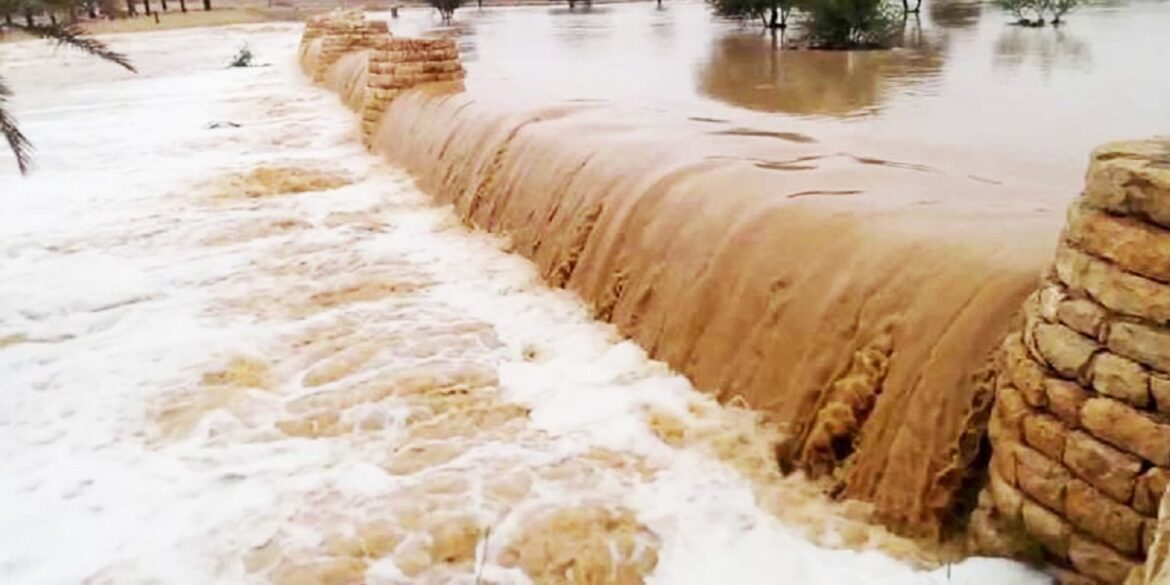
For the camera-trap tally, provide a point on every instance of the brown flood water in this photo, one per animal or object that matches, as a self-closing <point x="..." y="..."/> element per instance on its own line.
<point x="840" y="240"/>
<point x="966" y="89"/>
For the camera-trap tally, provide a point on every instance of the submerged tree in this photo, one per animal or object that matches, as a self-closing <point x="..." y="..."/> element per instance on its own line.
<point x="446" y="8"/>
<point x="1037" y="13"/>
<point x="69" y="36"/>
<point x="851" y="24"/>
<point x="771" y="13"/>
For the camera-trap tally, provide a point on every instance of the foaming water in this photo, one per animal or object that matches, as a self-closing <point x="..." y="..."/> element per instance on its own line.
<point x="248" y="352"/>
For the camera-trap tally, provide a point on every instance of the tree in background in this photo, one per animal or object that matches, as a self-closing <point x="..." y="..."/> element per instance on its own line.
<point x="1037" y="13"/>
<point x="772" y="13"/>
<point x="850" y="24"/>
<point x="446" y="8"/>
<point x="69" y="36"/>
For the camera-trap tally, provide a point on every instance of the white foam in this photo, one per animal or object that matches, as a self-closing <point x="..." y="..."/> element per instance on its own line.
<point x="117" y="304"/>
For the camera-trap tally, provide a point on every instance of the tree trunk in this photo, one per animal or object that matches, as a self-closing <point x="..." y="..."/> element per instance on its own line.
<point x="774" y="18"/>
<point x="52" y="18"/>
<point x="183" y="5"/>
<point x="8" y="18"/>
<point x="28" y="17"/>
<point x="164" y="5"/>
<point x="207" y="5"/>
<point x="146" y="7"/>
<point x="91" y="9"/>
<point x="131" y="10"/>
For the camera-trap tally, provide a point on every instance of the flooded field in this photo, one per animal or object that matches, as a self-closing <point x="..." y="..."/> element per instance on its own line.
<point x="966" y="88"/>
<point x="236" y="348"/>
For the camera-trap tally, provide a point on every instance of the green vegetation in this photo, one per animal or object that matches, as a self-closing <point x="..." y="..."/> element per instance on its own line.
<point x="851" y="24"/>
<point x="243" y="57"/>
<point x="771" y="13"/>
<point x="69" y="36"/>
<point x="1037" y="13"/>
<point x="827" y="24"/>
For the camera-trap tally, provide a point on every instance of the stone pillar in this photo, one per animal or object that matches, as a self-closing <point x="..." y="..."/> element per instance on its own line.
<point x="1080" y="430"/>
<point x="347" y="32"/>
<point x="395" y="64"/>
<point x="400" y="64"/>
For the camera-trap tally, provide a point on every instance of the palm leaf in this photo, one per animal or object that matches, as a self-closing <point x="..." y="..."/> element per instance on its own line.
<point x="19" y="144"/>
<point x="75" y="36"/>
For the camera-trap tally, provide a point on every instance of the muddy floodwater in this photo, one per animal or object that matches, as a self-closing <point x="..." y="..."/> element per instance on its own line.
<point x="965" y="88"/>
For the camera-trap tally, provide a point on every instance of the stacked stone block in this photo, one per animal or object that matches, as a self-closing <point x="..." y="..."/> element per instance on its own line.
<point x="395" y="64"/>
<point x="341" y="32"/>
<point x="1080" y="431"/>
<point x="400" y="64"/>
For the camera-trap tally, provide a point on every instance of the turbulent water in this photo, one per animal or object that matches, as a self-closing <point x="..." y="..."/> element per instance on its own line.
<point x="235" y="348"/>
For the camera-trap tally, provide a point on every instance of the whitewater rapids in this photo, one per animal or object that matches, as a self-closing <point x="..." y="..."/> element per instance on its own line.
<point x="235" y="348"/>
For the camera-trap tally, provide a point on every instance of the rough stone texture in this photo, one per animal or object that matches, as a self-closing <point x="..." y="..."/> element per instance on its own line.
<point x="1160" y="391"/>
<point x="1113" y="287"/>
<point x="1041" y="478"/>
<point x="1045" y="434"/>
<point x="1065" y="350"/>
<point x="1131" y="178"/>
<point x="1103" y="518"/>
<point x="1121" y="378"/>
<point x="1022" y="372"/>
<point x="1049" y="529"/>
<point x="1127" y="429"/>
<point x="1110" y="470"/>
<point x="1008" y="500"/>
<point x="1144" y="343"/>
<point x="1011" y="408"/>
<point x="1130" y="243"/>
<point x="1148" y="490"/>
<point x="1065" y="399"/>
<point x="1082" y="315"/>
<point x="1099" y="561"/>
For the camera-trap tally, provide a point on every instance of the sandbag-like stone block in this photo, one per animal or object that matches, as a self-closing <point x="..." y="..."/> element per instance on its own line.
<point x="1003" y="462"/>
<point x="1103" y="518"/>
<point x="1108" y="469"/>
<point x="1114" y="288"/>
<point x="1065" y="350"/>
<point x="1131" y="178"/>
<point x="1160" y="391"/>
<point x="1011" y="408"/>
<point x="1099" y="561"/>
<point x="1147" y="344"/>
<point x="1063" y="576"/>
<point x="1023" y="373"/>
<point x="1130" y="243"/>
<point x="1041" y="478"/>
<point x="1008" y="500"/>
<point x="1127" y="429"/>
<point x="1050" y="530"/>
<point x="1065" y="400"/>
<point x="1148" y="490"/>
<point x="1045" y="434"/>
<point x="1083" y="316"/>
<point x="1121" y="378"/>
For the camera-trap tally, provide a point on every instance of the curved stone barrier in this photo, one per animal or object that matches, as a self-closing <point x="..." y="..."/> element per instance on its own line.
<point x="388" y="65"/>
<point x="1080" y="430"/>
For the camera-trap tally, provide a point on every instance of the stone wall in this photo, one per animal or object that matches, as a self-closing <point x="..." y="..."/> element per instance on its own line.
<point x="1080" y="430"/>
<point x="393" y="65"/>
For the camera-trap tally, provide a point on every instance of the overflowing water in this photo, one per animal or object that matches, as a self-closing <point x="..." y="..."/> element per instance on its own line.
<point x="236" y="348"/>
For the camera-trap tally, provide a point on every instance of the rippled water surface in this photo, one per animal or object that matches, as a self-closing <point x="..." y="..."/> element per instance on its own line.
<point x="965" y="83"/>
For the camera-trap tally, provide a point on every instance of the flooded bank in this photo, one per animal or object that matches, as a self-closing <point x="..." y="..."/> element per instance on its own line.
<point x="240" y="349"/>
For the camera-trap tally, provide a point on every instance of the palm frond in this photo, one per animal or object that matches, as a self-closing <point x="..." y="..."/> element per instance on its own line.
<point x="76" y="37"/>
<point x="20" y="145"/>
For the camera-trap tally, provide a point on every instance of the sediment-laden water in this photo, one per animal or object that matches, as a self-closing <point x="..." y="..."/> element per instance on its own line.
<point x="236" y="348"/>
